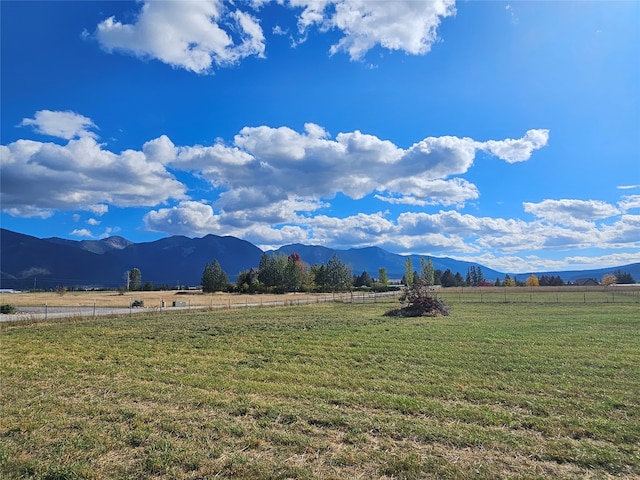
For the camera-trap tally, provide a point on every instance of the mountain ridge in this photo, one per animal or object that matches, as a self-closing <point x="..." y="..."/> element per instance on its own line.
<point x="27" y="261"/>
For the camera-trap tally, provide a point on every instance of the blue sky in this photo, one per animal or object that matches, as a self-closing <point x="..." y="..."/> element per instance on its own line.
<point x="505" y="133"/>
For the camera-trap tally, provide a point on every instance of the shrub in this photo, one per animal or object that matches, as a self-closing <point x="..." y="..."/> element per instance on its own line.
<point x="420" y="302"/>
<point x="8" y="309"/>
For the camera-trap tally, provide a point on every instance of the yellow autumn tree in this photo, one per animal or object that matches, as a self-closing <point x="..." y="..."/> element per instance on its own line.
<point x="609" y="279"/>
<point x="533" y="281"/>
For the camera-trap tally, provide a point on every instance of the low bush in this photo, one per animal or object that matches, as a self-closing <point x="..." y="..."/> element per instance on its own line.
<point x="420" y="302"/>
<point x="8" y="309"/>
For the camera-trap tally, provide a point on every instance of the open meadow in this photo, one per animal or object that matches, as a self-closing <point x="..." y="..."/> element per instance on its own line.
<point x="327" y="391"/>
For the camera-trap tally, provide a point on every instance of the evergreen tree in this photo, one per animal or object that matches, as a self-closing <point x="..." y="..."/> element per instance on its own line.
<point x="448" y="279"/>
<point x="363" y="280"/>
<point x="338" y="274"/>
<point x="471" y="276"/>
<point x="272" y="270"/>
<point x="294" y="273"/>
<point x="214" y="279"/>
<point x="624" y="277"/>
<point x="320" y="277"/>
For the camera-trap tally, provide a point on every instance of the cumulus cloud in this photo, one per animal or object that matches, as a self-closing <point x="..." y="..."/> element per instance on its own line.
<point x="193" y="35"/>
<point x="82" y="232"/>
<point x="39" y="177"/>
<point x="273" y="186"/>
<point x="267" y="175"/>
<point x="518" y="150"/>
<point x="408" y="26"/>
<point x="66" y="125"/>
<point x="199" y="218"/>
<point x="283" y="163"/>
<point x="196" y="35"/>
<point x="629" y="202"/>
<point x="577" y="213"/>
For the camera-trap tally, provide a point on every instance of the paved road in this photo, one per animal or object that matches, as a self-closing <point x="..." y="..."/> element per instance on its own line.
<point x="48" y="313"/>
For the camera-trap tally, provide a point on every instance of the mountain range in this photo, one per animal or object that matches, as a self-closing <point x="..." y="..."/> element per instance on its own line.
<point x="30" y="262"/>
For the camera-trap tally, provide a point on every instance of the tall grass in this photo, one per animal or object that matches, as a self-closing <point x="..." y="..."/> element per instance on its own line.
<point x="326" y="391"/>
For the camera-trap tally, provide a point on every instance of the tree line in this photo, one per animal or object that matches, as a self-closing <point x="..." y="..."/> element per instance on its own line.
<point x="279" y="273"/>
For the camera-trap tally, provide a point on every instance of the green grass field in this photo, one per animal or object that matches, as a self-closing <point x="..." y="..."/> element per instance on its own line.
<point x="326" y="391"/>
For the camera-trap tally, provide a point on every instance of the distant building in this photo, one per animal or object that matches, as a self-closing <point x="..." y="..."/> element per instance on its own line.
<point x="586" y="282"/>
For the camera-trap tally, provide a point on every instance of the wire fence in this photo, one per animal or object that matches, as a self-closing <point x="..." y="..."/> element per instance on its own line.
<point x="564" y="294"/>
<point x="629" y="294"/>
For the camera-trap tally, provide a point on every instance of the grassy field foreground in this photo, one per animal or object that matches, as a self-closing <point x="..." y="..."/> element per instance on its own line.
<point x="326" y="391"/>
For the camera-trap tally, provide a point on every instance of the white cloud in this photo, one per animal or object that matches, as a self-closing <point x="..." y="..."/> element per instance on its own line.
<point x="194" y="217"/>
<point x="82" y="232"/>
<point x="629" y="202"/>
<point x="275" y="185"/>
<point x="197" y="218"/>
<point x="269" y="176"/>
<point x="312" y="165"/>
<point x="575" y="213"/>
<point x="193" y="35"/>
<point x="66" y="125"/>
<point x="422" y="192"/>
<point x="512" y="151"/>
<point x="196" y="35"/>
<point x="80" y="175"/>
<point x="99" y="210"/>
<point x="109" y="231"/>
<point x="350" y="231"/>
<point x="408" y="26"/>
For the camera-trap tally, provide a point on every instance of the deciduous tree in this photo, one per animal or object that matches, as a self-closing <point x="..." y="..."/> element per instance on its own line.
<point x="135" y="279"/>
<point x="532" y="281"/>
<point x="408" y="272"/>
<point x="427" y="274"/>
<point x="383" y="279"/>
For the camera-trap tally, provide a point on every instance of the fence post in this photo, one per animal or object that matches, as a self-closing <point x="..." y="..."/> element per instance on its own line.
<point x="46" y="310"/>
<point x="94" y="309"/>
